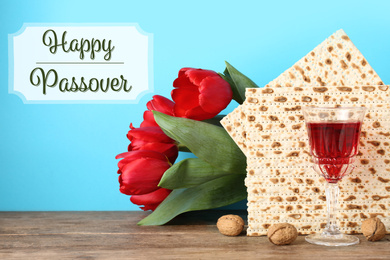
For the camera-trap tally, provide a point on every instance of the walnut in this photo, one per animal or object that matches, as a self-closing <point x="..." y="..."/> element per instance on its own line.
<point x="282" y="234"/>
<point x="230" y="225"/>
<point x="373" y="229"/>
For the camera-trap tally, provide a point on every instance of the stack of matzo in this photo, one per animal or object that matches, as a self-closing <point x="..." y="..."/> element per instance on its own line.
<point x="269" y="128"/>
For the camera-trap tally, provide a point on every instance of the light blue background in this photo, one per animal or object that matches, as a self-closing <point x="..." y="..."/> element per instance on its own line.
<point x="61" y="157"/>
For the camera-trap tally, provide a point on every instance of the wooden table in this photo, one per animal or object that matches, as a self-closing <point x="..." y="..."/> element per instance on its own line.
<point x="115" y="235"/>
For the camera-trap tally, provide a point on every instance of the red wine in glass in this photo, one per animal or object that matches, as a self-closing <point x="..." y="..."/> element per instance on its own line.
<point x="333" y="146"/>
<point x="334" y="139"/>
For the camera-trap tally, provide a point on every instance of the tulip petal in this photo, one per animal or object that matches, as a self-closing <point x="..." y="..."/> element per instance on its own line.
<point x="149" y="134"/>
<point x="185" y="99"/>
<point x="161" y="104"/>
<point x="148" y="119"/>
<point x="199" y="114"/>
<point x="183" y="82"/>
<point x="196" y="76"/>
<point x="215" y="94"/>
<point x="150" y="200"/>
<point x="151" y="207"/>
<point x="137" y="144"/>
<point x="142" y="176"/>
<point x="133" y="155"/>
<point x="182" y="71"/>
<point x="171" y="151"/>
<point x="154" y="139"/>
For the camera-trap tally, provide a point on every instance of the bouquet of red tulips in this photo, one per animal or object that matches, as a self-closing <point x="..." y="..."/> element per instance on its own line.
<point x="188" y="123"/>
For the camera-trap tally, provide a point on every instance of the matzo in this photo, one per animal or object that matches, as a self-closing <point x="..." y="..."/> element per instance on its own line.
<point x="336" y="61"/>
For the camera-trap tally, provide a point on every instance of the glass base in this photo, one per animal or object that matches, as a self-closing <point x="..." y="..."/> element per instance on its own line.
<point x="332" y="240"/>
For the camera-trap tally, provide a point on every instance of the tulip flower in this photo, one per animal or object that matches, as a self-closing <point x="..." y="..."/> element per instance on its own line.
<point x="150" y="200"/>
<point x="140" y="172"/>
<point x="160" y="104"/>
<point x="200" y="94"/>
<point x="154" y="139"/>
<point x="193" y="183"/>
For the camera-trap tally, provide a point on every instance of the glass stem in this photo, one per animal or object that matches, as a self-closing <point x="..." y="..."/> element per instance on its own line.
<point x="332" y="193"/>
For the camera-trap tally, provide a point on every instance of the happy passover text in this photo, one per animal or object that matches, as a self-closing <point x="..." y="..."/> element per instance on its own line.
<point x="85" y="47"/>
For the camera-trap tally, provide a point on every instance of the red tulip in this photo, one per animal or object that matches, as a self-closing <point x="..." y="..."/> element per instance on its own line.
<point x="148" y="119"/>
<point x="154" y="139"/>
<point x="160" y="104"/>
<point x="140" y="172"/>
<point x="200" y="94"/>
<point x="150" y="200"/>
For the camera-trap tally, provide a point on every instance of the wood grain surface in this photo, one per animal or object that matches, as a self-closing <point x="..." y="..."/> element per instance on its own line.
<point x="115" y="235"/>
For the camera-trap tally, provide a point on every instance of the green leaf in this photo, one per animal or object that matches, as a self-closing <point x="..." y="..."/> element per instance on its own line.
<point x="189" y="172"/>
<point x="236" y="94"/>
<point x="208" y="142"/>
<point x="183" y="148"/>
<point x="213" y="194"/>
<point x="238" y="82"/>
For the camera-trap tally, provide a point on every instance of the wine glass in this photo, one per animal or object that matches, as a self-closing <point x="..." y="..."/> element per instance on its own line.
<point x="334" y="134"/>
